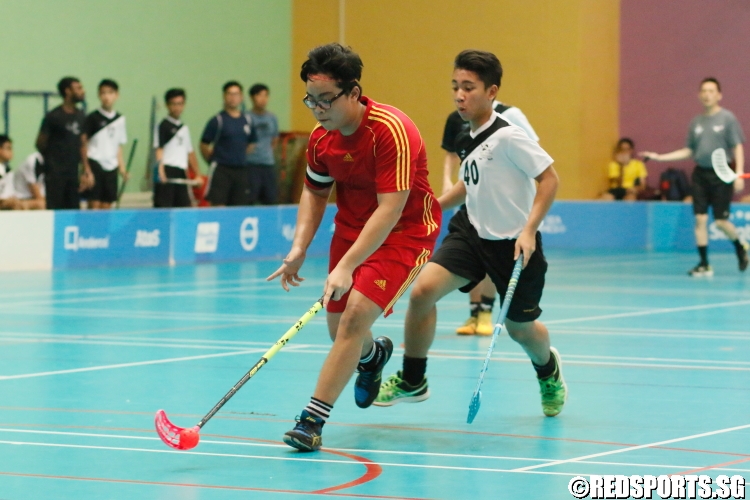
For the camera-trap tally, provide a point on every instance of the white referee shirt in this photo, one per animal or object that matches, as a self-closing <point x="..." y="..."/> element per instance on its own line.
<point x="106" y="133"/>
<point x="173" y="137"/>
<point x="26" y="174"/>
<point x="499" y="163"/>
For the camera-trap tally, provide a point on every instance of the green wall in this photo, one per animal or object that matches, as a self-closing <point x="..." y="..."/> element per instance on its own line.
<point x="147" y="46"/>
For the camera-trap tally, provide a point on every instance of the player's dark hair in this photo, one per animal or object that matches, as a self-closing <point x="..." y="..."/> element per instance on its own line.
<point x="108" y="82"/>
<point x="485" y="64"/>
<point x="334" y="60"/>
<point x="65" y="84"/>
<point x="626" y="140"/>
<point x="3" y="139"/>
<point x="710" y="79"/>
<point x="258" y="88"/>
<point x="230" y="84"/>
<point x="172" y="93"/>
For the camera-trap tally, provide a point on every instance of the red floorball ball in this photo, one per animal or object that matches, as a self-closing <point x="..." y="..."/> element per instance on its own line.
<point x="189" y="439"/>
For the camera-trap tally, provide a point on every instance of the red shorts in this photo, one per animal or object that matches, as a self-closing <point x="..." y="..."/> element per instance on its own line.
<point x="385" y="275"/>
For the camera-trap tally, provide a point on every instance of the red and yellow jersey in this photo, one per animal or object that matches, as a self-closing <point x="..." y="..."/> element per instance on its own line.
<point x="386" y="154"/>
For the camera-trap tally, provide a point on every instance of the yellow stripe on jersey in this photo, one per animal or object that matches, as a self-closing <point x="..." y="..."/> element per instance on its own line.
<point x="315" y="147"/>
<point x="399" y="153"/>
<point x="427" y="218"/>
<point x="421" y="261"/>
<point x="402" y="143"/>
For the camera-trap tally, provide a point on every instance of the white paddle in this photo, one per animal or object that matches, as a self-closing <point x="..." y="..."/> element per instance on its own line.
<point x="722" y="168"/>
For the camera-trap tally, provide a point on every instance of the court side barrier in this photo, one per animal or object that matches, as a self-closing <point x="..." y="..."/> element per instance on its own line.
<point x="83" y="239"/>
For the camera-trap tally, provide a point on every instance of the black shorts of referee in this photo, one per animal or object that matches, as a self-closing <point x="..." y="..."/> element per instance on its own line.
<point x="228" y="186"/>
<point x="465" y="254"/>
<point x="105" y="184"/>
<point x="168" y="195"/>
<point x="710" y="191"/>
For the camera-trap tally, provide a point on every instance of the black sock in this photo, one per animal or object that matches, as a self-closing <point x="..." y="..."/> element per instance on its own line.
<point x="474" y="308"/>
<point x="738" y="247"/>
<point x="487" y="303"/>
<point x="414" y="370"/>
<point x="370" y="361"/>
<point x="703" y="252"/>
<point x="546" y="370"/>
<point x="319" y="408"/>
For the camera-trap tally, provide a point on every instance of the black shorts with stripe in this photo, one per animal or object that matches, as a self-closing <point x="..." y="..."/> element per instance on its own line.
<point x="465" y="254"/>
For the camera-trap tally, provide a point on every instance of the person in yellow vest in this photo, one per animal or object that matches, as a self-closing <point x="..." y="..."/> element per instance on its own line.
<point x="627" y="176"/>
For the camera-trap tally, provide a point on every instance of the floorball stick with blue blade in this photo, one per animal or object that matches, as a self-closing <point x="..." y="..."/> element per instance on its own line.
<point x="476" y="399"/>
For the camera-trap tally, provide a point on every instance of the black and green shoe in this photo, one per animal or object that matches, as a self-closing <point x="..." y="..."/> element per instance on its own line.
<point x="397" y="390"/>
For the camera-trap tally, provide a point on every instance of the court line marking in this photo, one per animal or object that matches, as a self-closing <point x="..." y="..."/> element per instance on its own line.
<point x="238" y="345"/>
<point x="265" y="418"/>
<point x="372" y="451"/>
<point x="666" y="310"/>
<point x="633" y="448"/>
<point x="137" y="363"/>
<point x="268" y="457"/>
<point x="204" y="486"/>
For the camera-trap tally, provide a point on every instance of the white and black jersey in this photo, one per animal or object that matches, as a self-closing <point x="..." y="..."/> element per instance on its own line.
<point x="106" y="133"/>
<point x="6" y="182"/>
<point x="29" y="172"/>
<point x="173" y="138"/>
<point x="499" y="163"/>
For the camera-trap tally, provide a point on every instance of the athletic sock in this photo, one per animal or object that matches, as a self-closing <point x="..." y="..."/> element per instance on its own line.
<point x="370" y="361"/>
<point x="487" y="303"/>
<point x="738" y="247"/>
<point x="319" y="408"/>
<point x="474" y="308"/>
<point x="414" y="370"/>
<point x="703" y="252"/>
<point x="547" y="370"/>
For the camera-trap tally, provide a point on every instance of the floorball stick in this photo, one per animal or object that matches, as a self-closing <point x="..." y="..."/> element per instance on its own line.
<point x="186" y="438"/>
<point x="476" y="398"/>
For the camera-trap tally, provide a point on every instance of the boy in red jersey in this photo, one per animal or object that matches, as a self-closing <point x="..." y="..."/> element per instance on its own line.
<point x="387" y="223"/>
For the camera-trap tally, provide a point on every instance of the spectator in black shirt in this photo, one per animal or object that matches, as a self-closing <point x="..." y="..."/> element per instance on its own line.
<point x="225" y="143"/>
<point x="59" y="141"/>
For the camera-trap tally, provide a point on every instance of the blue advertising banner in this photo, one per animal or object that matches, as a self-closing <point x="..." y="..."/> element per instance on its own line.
<point x="671" y="227"/>
<point x="111" y="238"/>
<point x="242" y="233"/>
<point x="595" y="225"/>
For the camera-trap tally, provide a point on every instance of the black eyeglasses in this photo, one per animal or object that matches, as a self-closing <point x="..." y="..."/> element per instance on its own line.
<point x="322" y="103"/>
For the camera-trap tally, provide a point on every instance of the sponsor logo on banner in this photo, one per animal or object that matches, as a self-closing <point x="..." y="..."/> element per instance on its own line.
<point x="73" y="240"/>
<point x="249" y="233"/>
<point x="741" y="220"/>
<point x="287" y="231"/>
<point x="147" y="239"/>
<point x="553" y="224"/>
<point x="207" y="237"/>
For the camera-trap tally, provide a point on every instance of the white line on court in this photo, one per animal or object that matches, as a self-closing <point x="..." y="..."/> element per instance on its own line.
<point x="351" y="450"/>
<point x="355" y="450"/>
<point x="633" y="448"/>
<point x="665" y="310"/>
<point x="128" y="365"/>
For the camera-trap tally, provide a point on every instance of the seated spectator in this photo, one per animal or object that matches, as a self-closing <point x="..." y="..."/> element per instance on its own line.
<point x="627" y="176"/>
<point x="7" y="201"/>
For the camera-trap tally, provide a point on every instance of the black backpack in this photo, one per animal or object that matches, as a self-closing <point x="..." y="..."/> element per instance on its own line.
<point x="674" y="185"/>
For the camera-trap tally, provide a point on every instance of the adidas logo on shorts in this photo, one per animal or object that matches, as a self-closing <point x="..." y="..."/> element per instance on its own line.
<point x="380" y="284"/>
<point x="348" y="157"/>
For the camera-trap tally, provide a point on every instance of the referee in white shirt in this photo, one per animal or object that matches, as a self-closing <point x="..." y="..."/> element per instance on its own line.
<point x="174" y="152"/>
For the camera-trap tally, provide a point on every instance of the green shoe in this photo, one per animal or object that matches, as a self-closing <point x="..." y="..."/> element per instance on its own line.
<point x="396" y="390"/>
<point x="553" y="388"/>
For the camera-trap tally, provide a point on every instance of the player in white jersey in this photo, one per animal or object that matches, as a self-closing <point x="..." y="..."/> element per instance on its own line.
<point x="174" y="152"/>
<point x="103" y="136"/>
<point x="508" y="184"/>
<point x="482" y="296"/>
